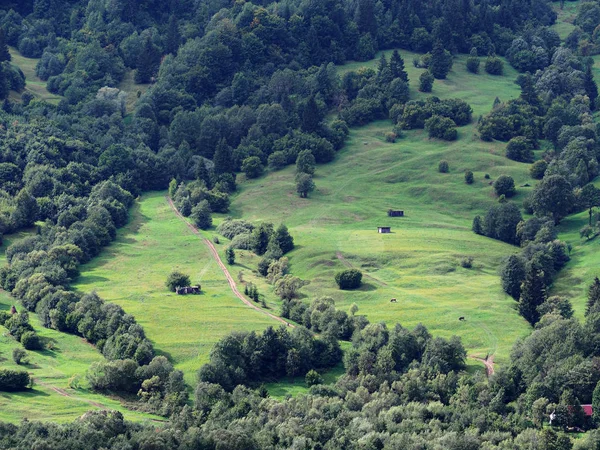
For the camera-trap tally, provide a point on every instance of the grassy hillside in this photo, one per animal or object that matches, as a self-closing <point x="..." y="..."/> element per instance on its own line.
<point x="34" y="85"/>
<point x="419" y="262"/>
<point x="132" y="272"/>
<point x="60" y="392"/>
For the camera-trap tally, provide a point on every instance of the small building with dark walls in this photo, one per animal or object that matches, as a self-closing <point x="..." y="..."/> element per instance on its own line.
<point x="384" y="230"/>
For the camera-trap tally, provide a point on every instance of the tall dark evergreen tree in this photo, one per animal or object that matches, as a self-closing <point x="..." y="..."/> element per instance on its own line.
<point x="311" y="116"/>
<point x="512" y="275"/>
<point x="529" y="93"/>
<point x="147" y="63"/>
<point x="223" y="158"/>
<point x="441" y="61"/>
<point x="397" y="66"/>
<point x="591" y="89"/>
<point x="4" y="53"/>
<point x="173" y="37"/>
<point x="593" y="301"/>
<point x="4" y="82"/>
<point x="533" y="294"/>
<point x="365" y="17"/>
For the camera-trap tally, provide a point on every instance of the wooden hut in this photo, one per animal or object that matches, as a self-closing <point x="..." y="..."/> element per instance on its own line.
<point x="187" y="290"/>
<point x="395" y="213"/>
<point x="384" y="230"/>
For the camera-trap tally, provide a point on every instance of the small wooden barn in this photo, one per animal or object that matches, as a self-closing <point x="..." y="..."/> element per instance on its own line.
<point x="383" y="230"/>
<point x="395" y="213"/>
<point x="187" y="290"/>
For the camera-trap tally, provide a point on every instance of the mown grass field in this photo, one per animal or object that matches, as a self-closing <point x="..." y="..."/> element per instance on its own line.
<point x="34" y="85"/>
<point x="419" y="262"/>
<point x="60" y="392"/>
<point x="132" y="273"/>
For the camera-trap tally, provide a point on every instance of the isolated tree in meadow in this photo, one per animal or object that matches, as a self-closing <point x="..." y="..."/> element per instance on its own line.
<point x="473" y="61"/>
<point x="304" y="184"/>
<point x="287" y="287"/>
<point x="177" y="279"/>
<point x="397" y="66"/>
<point x="147" y="63"/>
<point x="504" y="185"/>
<point x="349" y="279"/>
<point x="305" y="162"/>
<point x="512" y="275"/>
<point x="19" y="356"/>
<point x="426" y="81"/>
<point x="469" y="178"/>
<point x="4" y="53"/>
<point x="553" y="197"/>
<point x="230" y="255"/>
<point x="593" y="301"/>
<point x="533" y="294"/>
<point x="441" y="61"/>
<point x="494" y="65"/>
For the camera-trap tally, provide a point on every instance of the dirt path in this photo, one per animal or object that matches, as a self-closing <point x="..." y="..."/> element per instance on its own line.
<point x="64" y="393"/>
<point x="488" y="362"/>
<point x="349" y="265"/>
<point x="217" y="258"/>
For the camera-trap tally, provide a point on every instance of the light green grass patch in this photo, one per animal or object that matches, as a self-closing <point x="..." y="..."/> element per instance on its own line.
<point x="60" y="393"/>
<point x="419" y="263"/>
<point x="132" y="271"/>
<point x="34" y="84"/>
<point x="129" y="85"/>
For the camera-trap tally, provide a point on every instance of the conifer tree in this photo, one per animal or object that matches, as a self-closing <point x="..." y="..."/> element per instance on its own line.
<point x="4" y="82"/>
<point x="4" y="53"/>
<point x="147" y="63"/>
<point x="593" y="300"/>
<point x="173" y="36"/>
<point x="533" y="294"/>
<point x="441" y="61"/>
<point x="591" y="89"/>
<point x="365" y="17"/>
<point x="397" y="67"/>
<point x="596" y="404"/>
<point x="230" y="255"/>
<point x="222" y="158"/>
<point x="311" y="116"/>
<point x="512" y="275"/>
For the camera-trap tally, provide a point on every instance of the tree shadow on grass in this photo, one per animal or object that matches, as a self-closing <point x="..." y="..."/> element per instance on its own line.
<point x="366" y="287"/>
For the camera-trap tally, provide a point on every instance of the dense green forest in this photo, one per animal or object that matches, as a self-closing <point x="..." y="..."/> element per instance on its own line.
<point x="228" y="90"/>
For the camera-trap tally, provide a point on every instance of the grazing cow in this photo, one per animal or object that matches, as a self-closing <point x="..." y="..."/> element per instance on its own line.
<point x="393" y="300"/>
<point x="461" y="318"/>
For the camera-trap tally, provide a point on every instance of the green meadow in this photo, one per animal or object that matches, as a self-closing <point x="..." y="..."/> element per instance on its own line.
<point x="34" y="84"/>
<point x="60" y="392"/>
<point x="132" y="272"/>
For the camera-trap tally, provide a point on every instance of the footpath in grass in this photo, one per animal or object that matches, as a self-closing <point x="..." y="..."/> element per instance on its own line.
<point x="60" y="392"/>
<point x="419" y="262"/>
<point x="132" y="272"/>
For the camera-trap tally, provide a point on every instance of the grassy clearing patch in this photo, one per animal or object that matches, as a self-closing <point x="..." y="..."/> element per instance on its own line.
<point x="132" y="272"/>
<point x="60" y="393"/>
<point x="128" y="85"/>
<point x="34" y="84"/>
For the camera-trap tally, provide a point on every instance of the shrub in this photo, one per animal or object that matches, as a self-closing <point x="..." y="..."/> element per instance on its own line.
<point x="232" y="228"/>
<point x="313" y="378"/>
<point x="31" y="341"/>
<point x="494" y="65"/>
<point x="252" y="167"/>
<point x="538" y="169"/>
<point x="443" y="166"/>
<point x="19" y="356"/>
<point x="520" y="149"/>
<point x="469" y="178"/>
<point x="177" y="279"/>
<point x="504" y="185"/>
<point x="473" y="61"/>
<point x="477" y="226"/>
<point x="14" y="380"/>
<point x="349" y="279"/>
<point x="390" y="137"/>
<point x="441" y="128"/>
<point x="466" y="262"/>
<point x="426" y="82"/>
